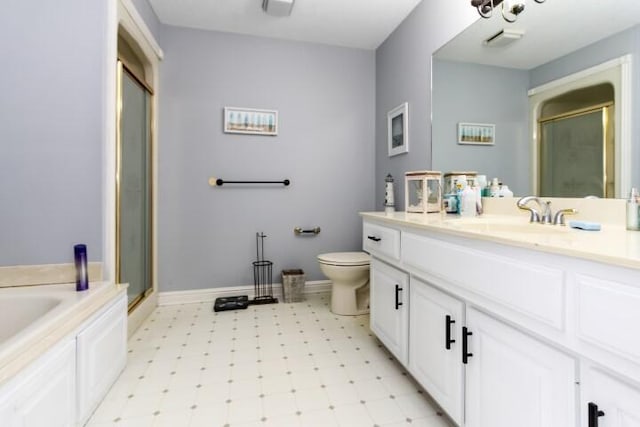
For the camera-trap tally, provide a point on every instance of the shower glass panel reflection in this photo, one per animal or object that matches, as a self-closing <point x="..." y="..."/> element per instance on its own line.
<point x="134" y="225"/>
<point x="577" y="154"/>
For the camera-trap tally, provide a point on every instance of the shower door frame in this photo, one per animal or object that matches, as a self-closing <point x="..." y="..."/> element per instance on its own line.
<point x="608" y="116"/>
<point x="616" y="71"/>
<point x="122" y="68"/>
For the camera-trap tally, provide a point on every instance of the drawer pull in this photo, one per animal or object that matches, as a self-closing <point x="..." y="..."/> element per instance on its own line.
<point x="448" y="341"/>
<point x="374" y="238"/>
<point x="594" y="414"/>
<point x="465" y="354"/>
<point x="398" y="302"/>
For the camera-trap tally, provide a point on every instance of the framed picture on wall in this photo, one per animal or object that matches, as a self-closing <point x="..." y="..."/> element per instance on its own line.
<point x="476" y="134"/>
<point x="398" y="130"/>
<point x="250" y="121"/>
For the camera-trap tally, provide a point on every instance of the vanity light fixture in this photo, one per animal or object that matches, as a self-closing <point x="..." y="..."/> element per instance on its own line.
<point x="277" y="7"/>
<point x="510" y="8"/>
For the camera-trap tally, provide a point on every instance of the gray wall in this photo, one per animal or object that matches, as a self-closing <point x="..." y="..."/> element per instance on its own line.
<point x="612" y="47"/>
<point x="403" y="74"/>
<point x="325" y="99"/>
<point x="499" y="97"/>
<point x="51" y="117"/>
<point x="149" y="17"/>
<point x="626" y="42"/>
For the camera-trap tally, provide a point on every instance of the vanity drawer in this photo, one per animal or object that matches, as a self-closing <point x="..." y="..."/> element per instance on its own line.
<point x="381" y="240"/>
<point x="518" y="290"/>
<point x="607" y="316"/>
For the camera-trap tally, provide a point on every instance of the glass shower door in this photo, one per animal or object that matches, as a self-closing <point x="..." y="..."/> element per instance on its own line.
<point x="574" y="154"/>
<point x="134" y="235"/>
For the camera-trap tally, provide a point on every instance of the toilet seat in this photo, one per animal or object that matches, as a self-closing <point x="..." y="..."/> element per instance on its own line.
<point x="346" y="259"/>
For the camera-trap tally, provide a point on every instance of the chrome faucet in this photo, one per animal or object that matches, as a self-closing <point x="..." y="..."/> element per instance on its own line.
<point x="544" y="215"/>
<point x="558" y="218"/>
<point x="534" y="214"/>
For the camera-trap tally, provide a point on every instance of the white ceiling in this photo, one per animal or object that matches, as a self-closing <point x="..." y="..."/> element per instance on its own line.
<point x="352" y="23"/>
<point x="551" y="30"/>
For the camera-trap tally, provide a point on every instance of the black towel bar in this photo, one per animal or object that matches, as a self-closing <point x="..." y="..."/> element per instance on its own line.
<point x="221" y="181"/>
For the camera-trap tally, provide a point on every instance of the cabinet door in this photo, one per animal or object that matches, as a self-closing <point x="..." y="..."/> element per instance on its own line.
<point x="612" y="403"/>
<point x="434" y="345"/>
<point x="390" y="308"/>
<point x="102" y="355"/>
<point x="515" y="380"/>
<point x="47" y="398"/>
<point x="7" y="408"/>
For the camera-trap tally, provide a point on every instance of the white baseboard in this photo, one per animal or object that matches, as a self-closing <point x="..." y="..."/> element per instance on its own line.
<point x="210" y="294"/>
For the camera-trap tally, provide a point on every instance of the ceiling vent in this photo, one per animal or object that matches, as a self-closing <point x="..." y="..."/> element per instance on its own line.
<point x="503" y="38"/>
<point x="277" y="7"/>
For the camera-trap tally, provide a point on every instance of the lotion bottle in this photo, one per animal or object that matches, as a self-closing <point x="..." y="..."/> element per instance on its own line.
<point x="632" y="211"/>
<point x="478" y="190"/>
<point x="495" y="188"/>
<point x="505" y="192"/>
<point x="468" y="205"/>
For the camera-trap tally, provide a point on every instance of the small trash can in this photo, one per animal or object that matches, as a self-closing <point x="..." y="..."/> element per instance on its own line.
<point x="292" y="285"/>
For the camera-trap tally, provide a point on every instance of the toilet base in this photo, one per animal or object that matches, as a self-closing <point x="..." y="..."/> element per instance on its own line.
<point x="344" y="299"/>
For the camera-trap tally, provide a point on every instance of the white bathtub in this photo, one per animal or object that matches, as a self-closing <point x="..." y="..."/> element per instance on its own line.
<point x="30" y="313"/>
<point x="54" y="368"/>
<point x="19" y="312"/>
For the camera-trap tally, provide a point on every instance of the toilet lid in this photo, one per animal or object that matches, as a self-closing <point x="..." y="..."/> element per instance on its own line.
<point x="345" y="258"/>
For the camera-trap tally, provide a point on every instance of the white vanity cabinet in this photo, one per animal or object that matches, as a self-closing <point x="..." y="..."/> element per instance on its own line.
<point x="44" y="394"/>
<point x="607" y="401"/>
<point x="513" y="379"/>
<point x="389" y="308"/>
<point x="504" y="336"/>
<point x="435" y="350"/>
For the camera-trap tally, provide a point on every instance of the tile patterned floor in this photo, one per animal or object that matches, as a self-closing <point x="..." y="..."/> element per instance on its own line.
<point x="270" y="365"/>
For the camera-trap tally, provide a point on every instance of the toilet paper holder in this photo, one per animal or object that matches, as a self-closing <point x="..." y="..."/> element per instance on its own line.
<point x="299" y="230"/>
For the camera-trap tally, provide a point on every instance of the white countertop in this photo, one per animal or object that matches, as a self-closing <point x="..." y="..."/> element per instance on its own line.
<point x="613" y="244"/>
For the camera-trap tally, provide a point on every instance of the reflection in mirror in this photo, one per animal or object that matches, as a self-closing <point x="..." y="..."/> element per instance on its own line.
<point x="521" y="87"/>
<point x="576" y="143"/>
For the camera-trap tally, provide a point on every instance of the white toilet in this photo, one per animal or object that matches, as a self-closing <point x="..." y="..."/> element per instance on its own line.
<point x="349" y="274"/>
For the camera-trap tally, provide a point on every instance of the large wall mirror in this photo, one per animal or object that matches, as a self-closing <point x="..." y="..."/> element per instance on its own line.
<point x="558" y="86"/>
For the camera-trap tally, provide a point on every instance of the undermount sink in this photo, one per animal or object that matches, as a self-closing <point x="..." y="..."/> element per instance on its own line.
<point x="482" y="225"/>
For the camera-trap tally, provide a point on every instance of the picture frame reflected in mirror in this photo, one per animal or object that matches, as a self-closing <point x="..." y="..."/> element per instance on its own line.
<point x="476" y="134"/>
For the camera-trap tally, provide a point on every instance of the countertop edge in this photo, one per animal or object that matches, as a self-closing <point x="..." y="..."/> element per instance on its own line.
<point x="601" y="257"/>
